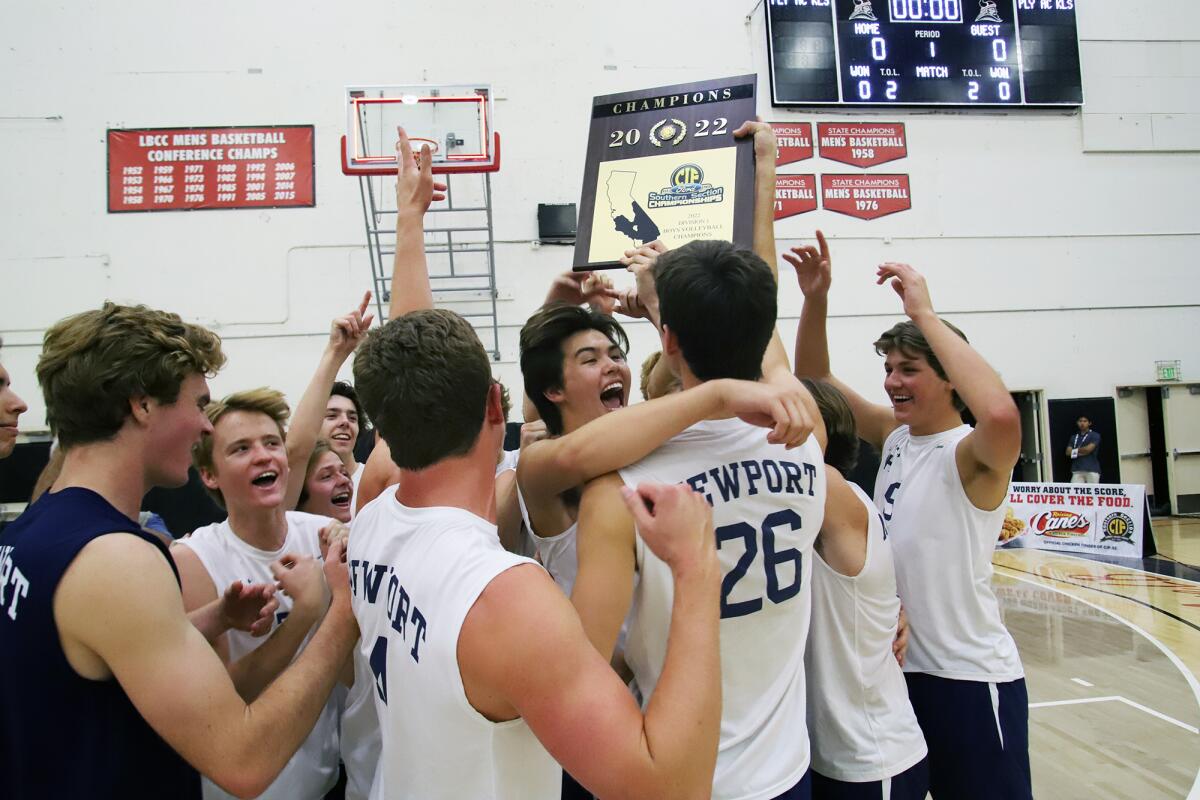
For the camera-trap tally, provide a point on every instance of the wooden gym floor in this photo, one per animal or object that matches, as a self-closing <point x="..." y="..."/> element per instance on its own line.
<point x="1112" y="661"/>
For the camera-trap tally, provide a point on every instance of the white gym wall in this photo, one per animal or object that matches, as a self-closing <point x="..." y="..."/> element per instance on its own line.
<point x="1063" y="243"/>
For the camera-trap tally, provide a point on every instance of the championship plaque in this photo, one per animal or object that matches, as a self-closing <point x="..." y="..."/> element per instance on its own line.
<point x="663" y="164"/>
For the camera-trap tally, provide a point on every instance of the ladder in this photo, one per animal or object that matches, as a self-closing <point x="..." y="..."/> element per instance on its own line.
<point x="459" y="245"/>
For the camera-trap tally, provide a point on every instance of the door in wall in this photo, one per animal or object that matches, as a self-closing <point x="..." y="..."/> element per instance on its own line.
<point x="1182" y="412"/>
<point x="1030" y="466"/>
<point x="1143" y="444"/>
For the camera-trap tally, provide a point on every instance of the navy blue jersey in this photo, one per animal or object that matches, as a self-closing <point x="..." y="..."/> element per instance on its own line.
<point x="62" y="735"/>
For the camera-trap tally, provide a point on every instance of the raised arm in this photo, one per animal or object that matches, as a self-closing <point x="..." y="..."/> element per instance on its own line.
<point x="814" y="273"/>
<point x="551" y="466"/>
<point x="415" y="190"/>
<point x="344" y="335"/>
<point x="775" y="360"/>
<point x="567" y="692"/>
<point x="176" y="681"/>
<point x="985" y="457"/>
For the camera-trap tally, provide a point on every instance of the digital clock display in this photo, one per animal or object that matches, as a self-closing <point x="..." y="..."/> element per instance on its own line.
<point x="925" y="10"/>
<point x="924" y="52"/>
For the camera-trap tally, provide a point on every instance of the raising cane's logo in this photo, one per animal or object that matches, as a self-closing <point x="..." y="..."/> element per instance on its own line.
<point x="1059" y="524"/>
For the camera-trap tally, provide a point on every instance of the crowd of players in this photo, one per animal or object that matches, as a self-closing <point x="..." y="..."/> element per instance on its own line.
<point x="682" y="597"/>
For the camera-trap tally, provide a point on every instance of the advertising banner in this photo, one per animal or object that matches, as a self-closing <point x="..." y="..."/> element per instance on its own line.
<point x="185" y="169"/>
<point x="1108" y="519"/>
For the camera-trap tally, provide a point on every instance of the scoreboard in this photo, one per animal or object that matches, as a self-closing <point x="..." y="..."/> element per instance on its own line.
<point x="924" y="52"/>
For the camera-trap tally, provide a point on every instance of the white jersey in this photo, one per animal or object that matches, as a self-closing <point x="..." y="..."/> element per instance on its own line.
<point x="863" y="726"/>
<point x="314" y="769"/>
<point x="415" y="573"/>
<point x="508" y="460"/>
<point x="358" y="731"/>
<point x="355" y="480"/>
<point x="943" y="548"/>
<point x="768" y="504"/>
<point x="557" y="553"/>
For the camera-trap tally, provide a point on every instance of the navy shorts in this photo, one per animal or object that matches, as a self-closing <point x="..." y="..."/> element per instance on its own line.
<point x="801" y="791"/>
<point x="978" y="737"/>
<point x="912" y="784"/>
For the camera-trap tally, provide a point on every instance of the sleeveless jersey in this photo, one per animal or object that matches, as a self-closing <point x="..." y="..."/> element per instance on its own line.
<point x="943" y="548"/>
<point x="557" y="553"/>
<point x="768" y="504"/>
<point x="863" y="727"/>
<point x="358" y="731"/>
<point x="415" y="573"/>
<point x="358" y="727"/>
<point x="355" y="480"/>
<point x="63" y="736"/>
<point x="313" y="770"/>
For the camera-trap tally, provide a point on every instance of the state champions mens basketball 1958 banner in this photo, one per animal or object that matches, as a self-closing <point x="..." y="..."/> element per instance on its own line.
<point x="663" y="164"/>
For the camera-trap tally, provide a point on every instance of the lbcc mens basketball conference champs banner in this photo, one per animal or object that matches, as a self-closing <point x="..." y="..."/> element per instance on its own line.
<point x="1108" y="519"/>
<point x="183" y="169"/>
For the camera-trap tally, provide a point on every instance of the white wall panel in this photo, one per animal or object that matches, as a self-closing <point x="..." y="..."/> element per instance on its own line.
<point x="1017" y="215"/>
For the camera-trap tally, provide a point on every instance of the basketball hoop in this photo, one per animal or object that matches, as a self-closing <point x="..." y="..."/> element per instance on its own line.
<point x="417" y="141"/>
<point x="455" y="121"/>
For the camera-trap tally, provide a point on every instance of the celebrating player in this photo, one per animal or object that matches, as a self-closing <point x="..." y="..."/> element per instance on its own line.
<point x="11" y="407"/>
<point x="865" y="736"/>
<point x="100" y="664"/>
<point x="448" y="616"/>
<point x="941" y="490"/>
<point x="244" y="465"/>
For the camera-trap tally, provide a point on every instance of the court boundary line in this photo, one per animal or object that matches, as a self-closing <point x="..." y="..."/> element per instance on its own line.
<point x="1174" y="659"/>
<point x="1117" y="698"/>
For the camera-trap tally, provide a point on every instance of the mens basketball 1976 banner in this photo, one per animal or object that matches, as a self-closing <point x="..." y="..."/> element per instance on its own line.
<point x="663" y="164"/>
<point x="183" y="169"/>
<point x="1108" y="519"/>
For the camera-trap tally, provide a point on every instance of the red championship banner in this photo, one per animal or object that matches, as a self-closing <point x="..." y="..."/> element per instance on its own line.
<point x="177" y="169"/>
<point x="862" y="144"/>
<point x="795" y="194"/>
<point x="794" y="140"/>
<point x="1109" y="519"/>
<point x="865" y="196"/>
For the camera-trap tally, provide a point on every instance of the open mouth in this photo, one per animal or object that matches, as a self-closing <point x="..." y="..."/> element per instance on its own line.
<point x="266" y="480"/>
<point x="901" y="400"/>
<point x="613" y="396"/>
<point x="341" y="499"/>
<point x="340" y="437"/>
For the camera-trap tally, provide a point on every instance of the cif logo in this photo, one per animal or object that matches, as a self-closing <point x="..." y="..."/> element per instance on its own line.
<point x="687" y="175"/>
<point x="1059" y="524"/>
<point x="1117" y="527"/>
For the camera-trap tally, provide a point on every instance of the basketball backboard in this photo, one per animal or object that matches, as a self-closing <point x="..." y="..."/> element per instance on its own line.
<point x="454" y="120"/>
